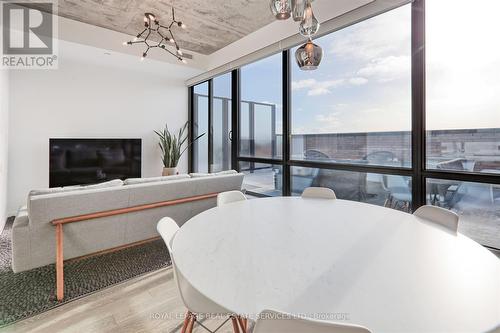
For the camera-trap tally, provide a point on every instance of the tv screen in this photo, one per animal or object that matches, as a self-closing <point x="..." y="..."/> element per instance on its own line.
<point x="91" y="161"/>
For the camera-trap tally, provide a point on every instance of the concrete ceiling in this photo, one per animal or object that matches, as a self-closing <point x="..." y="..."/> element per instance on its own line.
<point x="211" y="24"/>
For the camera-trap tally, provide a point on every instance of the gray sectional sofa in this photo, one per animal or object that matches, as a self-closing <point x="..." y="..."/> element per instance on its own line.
<point x="33" y="235"/>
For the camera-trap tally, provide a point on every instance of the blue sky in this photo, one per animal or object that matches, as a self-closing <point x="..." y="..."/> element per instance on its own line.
<point x="336" y="97"/>
<point x="364" y="81"/>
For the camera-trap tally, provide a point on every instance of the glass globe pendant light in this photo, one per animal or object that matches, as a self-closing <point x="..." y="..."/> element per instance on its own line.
<point x="298" y="7"/>
<point x="281" y="9"/>
<point x="309" y="25"/>
<point x="309" y="56"/>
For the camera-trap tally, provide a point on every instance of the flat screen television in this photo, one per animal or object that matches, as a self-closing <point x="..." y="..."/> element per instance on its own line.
<point x="91" y="161"/>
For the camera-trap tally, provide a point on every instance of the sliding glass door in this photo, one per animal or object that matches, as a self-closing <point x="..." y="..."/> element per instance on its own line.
<point x="221" y="123"/>
<point x="211" y="113"/>
<point x="199" y="125"/>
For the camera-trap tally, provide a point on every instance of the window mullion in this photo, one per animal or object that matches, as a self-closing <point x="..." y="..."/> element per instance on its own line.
<point x="286" y="128"/>
<point x="418" y="102"/>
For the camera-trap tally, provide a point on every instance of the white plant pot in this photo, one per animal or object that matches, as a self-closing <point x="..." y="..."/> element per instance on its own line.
<point x="169" y="171"/>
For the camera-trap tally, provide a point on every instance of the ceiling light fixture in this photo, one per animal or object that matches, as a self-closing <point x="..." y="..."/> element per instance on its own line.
<point x="309" y="55"/>
<point x="309" y="25"/>
<point x="152" y="27"/>
<point x="281" y="9"/>
<point x="298" y="7"/>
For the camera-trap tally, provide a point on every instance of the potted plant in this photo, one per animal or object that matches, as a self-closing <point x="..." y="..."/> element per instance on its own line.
<point x="171" y="146"/>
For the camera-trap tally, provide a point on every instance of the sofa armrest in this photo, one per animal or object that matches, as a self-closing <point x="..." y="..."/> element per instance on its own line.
<point x="21" y="254"/>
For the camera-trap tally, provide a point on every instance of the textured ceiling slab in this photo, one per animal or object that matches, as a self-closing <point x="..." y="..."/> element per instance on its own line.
<point x="211" y="24"/>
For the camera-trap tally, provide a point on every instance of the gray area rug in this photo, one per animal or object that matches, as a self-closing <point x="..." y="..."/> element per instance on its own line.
<point x="29" y="293"/>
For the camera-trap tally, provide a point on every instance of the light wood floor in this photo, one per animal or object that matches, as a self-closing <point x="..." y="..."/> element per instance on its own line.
<point x="145" y="304"/>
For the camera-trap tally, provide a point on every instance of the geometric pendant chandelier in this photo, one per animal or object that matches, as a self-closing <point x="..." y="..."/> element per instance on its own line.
<point x="309" y="55"/>
<point x="164" y="34"/>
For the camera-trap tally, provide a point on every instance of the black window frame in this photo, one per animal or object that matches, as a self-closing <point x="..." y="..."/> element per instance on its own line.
<point x="418" y="171"/>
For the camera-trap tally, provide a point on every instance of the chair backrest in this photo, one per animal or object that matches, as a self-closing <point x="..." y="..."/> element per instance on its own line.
<point x="270" y="321"/>
<point x="229" y="196"/>
<point x="454" y="164"/>
<point x="167" y="228"/>
<point x="438" y="215"/>
<point x="319" y="192"/>
<point x="396" y="184"/>
<point x="313" y="154"/>
<point x="193" y="299"/>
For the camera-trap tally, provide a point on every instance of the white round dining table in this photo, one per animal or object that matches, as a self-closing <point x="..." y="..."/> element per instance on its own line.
<point x="340" y="261"/>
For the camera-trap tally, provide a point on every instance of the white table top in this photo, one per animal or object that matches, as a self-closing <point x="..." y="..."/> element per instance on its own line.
<point x="375" y="266"/>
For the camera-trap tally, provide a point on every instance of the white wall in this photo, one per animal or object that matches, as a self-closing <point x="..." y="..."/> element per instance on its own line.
<point x="91" y="95"/>
<point x="4" y="136"/>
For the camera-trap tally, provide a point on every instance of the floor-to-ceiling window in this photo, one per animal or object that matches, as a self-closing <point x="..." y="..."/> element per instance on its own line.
<point x="403" y="111"/>
<point x="463" y="113"/>
<point x="355" y="109"/>
<point x="260" y="125"/>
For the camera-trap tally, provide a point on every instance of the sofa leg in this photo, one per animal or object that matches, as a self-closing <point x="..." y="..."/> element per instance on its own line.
<point x="59" y="262"/>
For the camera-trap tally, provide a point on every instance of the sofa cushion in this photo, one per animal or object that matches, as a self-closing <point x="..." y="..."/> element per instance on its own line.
<point x="52" y="190"/>
<point x="226" y="172"/>
<point x="111" y="183"/>
<point x="221" y="173"/>
<point x="132" y="181"/>
<point x="200" y="174"/>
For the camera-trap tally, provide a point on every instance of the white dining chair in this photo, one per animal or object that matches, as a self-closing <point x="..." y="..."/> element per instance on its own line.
<point x="438" y="215"/>
<point x="319" y="193"/>
<point x="270" y="321"/>
<point x="229" y="196"/>
<point x="196" y="302"/>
